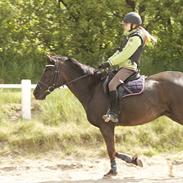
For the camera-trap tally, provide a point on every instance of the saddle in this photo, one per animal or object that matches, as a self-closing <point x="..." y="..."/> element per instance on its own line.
<point x="134" y="85"/>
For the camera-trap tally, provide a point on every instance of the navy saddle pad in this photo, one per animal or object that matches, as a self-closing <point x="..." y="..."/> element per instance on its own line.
<point x="134" y="87"/>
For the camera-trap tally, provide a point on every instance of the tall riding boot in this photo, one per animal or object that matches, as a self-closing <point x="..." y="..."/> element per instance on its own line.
<point x="113" y="112"/>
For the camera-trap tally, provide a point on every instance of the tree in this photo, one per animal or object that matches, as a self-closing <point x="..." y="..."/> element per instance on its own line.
<point x="89" y="31"/>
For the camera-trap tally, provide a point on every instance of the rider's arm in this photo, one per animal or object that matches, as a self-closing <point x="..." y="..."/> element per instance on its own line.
<point x="116" y="53"/>
<point x="123" y="56"/>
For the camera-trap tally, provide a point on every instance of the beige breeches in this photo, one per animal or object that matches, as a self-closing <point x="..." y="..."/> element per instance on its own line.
<point x="120" y="77"/>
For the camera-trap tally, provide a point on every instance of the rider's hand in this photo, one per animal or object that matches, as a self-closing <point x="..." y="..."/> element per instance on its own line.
<point x="104" y="65"/>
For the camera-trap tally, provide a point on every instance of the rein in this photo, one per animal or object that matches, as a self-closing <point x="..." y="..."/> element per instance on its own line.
<point x="74" y="80"/>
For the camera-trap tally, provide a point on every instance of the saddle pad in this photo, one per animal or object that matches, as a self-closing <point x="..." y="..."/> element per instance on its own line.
<point x="135" y="86"/>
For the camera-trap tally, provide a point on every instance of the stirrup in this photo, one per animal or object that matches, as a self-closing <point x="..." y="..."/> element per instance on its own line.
<point x="110" y="117"/>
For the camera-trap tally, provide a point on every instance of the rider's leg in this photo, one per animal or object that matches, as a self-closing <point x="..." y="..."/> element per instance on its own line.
<point x="113" y="111"/>
<point x="121" y="76"/>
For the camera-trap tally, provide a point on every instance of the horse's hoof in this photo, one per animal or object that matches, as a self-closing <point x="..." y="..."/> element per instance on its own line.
<point x="110" y="174"/>
<point x="137" y="161"/>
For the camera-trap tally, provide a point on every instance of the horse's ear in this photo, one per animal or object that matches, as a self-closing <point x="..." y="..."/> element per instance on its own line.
<point x="50" y="60"/>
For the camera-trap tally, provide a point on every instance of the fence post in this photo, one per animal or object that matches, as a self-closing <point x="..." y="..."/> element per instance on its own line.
<point x="26" y="99"/>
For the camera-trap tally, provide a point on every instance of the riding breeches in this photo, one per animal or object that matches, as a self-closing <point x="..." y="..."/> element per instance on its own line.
<point x="119" y="78"/>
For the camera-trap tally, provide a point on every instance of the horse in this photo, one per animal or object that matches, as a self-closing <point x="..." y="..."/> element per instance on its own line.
<point x="162" y="95"/>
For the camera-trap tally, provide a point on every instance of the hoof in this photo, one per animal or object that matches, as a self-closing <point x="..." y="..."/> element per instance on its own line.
<point x="137" y="161"/>
<point x="110" y="173"/>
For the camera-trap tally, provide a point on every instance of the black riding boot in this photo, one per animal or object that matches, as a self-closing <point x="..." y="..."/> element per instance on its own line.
<point x="113" y="112"/>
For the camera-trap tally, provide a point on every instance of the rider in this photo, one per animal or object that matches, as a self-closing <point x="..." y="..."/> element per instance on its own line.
<point x="126" y="58"/>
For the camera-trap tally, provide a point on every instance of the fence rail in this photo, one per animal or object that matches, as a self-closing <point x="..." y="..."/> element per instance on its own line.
<point x="9" y="86"/>
<point x="25" y="87"/>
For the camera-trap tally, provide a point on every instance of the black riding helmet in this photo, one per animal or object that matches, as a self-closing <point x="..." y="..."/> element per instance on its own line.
<point x="133" y="18"/>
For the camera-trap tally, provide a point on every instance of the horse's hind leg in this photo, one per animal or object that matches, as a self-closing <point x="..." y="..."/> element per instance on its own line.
<point x="128" y="159"/>
<point x="107" y="131"/>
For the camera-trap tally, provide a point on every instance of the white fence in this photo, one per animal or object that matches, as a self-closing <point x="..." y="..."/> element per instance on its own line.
<point x="25" y="87"/>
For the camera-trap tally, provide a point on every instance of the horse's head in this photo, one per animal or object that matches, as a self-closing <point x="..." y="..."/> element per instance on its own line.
<point x="51" y="78"/>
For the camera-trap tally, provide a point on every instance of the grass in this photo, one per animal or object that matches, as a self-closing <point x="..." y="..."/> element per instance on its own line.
<point x="59" y="123"/>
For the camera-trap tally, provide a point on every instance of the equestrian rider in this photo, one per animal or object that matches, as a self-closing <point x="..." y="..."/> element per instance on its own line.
<point x="126" y="58"/>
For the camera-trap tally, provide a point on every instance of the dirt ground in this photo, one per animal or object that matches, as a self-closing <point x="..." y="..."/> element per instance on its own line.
<point x="53" y="169"/>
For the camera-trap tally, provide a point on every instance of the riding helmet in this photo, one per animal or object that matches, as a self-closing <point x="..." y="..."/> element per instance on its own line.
<point x="133" y="18"/>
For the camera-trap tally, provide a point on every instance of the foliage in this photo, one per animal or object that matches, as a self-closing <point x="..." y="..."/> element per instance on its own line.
<point x="87" y="30"/>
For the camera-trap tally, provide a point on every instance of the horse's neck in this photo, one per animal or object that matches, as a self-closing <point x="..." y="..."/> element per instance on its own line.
<point x="81" y="92"/>
<point x="81" y="88"/>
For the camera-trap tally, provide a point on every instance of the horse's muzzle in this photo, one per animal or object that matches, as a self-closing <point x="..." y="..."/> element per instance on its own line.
<point x="39" y="96"/>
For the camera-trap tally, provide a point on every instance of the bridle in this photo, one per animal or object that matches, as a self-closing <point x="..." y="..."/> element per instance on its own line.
<point x="56" y="78"/>
<point x="54" y="85"/>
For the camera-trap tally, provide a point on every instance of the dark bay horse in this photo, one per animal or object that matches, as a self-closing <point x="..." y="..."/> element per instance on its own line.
<point x="162" y="96"/>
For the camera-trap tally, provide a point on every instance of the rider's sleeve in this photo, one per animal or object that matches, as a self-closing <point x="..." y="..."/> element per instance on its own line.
<point x="122" y="57"/>
<point x="116" y="53"/>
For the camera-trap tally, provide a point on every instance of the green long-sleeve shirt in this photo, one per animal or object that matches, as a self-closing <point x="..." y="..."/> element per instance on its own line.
<point x="122" y="58"/>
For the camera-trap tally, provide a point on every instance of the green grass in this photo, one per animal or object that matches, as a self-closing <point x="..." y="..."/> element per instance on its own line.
<point x="9" y="96"/>
<point x="59" y="123"/>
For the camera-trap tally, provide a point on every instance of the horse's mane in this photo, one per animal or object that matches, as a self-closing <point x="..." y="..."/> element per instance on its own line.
<point x="85" y="69"/>
<point x="78" y="67"/>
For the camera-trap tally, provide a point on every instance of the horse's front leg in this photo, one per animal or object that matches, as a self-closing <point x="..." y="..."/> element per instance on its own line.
<point x="107" y="130"/>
